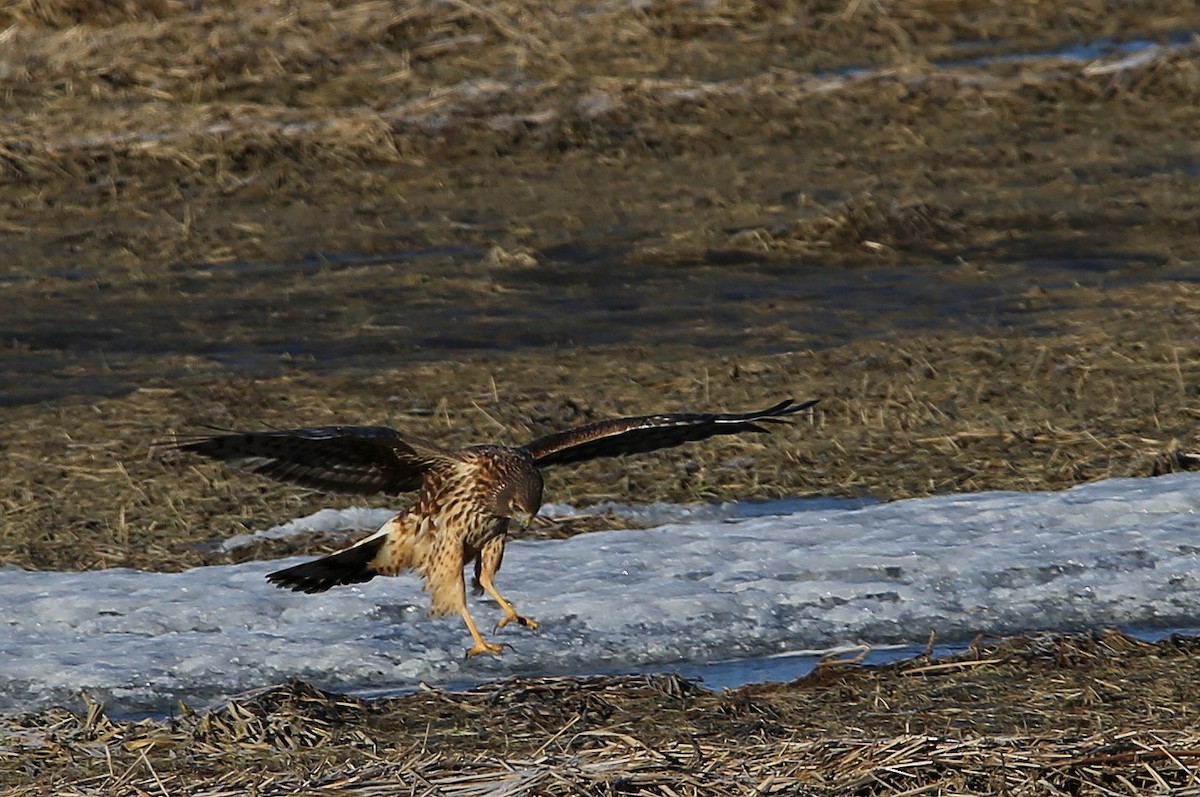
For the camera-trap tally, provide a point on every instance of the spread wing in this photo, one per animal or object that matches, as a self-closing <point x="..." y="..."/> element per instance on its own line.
<point x="621" y="436"/>
<point x="344" y="459"/>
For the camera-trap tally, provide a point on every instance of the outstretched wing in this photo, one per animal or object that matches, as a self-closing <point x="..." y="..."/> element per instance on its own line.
<point x="344" y="459"/>
<point x="621" y="436"/>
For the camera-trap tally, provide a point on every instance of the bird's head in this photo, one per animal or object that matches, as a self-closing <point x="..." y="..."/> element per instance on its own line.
<point x="519" y="492"/>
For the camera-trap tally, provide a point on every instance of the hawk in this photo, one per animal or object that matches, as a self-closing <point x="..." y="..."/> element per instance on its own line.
<point x="465" y="498"/>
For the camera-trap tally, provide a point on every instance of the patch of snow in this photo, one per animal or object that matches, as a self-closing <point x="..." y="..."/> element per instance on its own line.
<point x="735" y="583"/>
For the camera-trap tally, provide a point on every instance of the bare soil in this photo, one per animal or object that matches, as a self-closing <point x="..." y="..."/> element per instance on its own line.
<point x="487" y="221"/>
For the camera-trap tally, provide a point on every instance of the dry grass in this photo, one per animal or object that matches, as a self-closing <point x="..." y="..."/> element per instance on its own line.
<point x="154" y="132"/>
<point x="142" y="138"/>
<point x="860" y="224"/>
<point x="950" y="726"/>
<point x="917" y="415"/>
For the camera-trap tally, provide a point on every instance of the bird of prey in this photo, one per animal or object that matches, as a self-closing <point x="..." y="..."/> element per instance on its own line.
<point x="465" y="498"/>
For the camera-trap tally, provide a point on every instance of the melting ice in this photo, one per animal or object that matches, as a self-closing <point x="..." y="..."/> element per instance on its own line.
<point x="704" y="584"/>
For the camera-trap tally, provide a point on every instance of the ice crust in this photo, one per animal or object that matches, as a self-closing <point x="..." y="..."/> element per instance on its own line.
<point x="713" y="584"/>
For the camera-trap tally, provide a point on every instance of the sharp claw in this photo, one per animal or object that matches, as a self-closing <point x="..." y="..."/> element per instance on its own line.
<point x="484" y="647"/>
<point x="525" y="621"/>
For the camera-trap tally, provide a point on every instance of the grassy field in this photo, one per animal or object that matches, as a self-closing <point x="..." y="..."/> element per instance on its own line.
<point x="193" y="173"/>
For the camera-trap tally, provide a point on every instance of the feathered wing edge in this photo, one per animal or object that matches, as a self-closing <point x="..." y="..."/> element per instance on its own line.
<point x="361" y="460"/>
<point x="348" y="566"/>
<point x="365" y="460"/>
<point x="638" y="435"/>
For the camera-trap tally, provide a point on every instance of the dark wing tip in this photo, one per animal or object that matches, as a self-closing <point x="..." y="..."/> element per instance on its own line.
<point x="360" y="460"/>
<point x="789" y="406"/>
<point x="283" y="583"/>
<point x="644" y="433"/>
<point x="773" y="414"/>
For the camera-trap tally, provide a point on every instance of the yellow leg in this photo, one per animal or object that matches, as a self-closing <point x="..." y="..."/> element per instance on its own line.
<point x="510" y="614"/>
<point x="481" y="644"/>
<point x="485" y="567"/>
<point x="447" y="593"/>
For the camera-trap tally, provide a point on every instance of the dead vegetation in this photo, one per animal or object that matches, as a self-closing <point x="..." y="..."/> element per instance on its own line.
<point x="913" y="416"/>
<point x="149" y="134"/>
<point x="1093" y="714"/>
<point x="860" y="225"/>
<point x="145" y="146"/>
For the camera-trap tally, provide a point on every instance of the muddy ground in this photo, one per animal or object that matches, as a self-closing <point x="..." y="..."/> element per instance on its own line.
<point x="974" y="243"/>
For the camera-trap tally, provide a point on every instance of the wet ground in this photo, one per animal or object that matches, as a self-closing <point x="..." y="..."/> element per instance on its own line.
<point x="969" y="227"/>
<point x="206" y="192"/>
<point x="391" y="310"/>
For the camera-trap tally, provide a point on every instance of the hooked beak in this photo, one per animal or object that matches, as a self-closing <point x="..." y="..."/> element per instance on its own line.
<point x="522" y="518"/>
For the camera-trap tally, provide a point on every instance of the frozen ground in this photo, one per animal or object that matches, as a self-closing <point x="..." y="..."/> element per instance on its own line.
<point x="723" y="582"/>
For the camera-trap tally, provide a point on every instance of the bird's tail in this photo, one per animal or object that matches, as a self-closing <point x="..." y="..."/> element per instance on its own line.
<point x="385" y="553"/>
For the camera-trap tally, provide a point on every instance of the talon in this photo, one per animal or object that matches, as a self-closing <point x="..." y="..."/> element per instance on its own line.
<point x="525" y="621"/>
<point x="483" y="646"/>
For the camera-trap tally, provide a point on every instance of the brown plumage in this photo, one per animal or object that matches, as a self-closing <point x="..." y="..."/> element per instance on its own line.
<point x="465" y="497"/>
